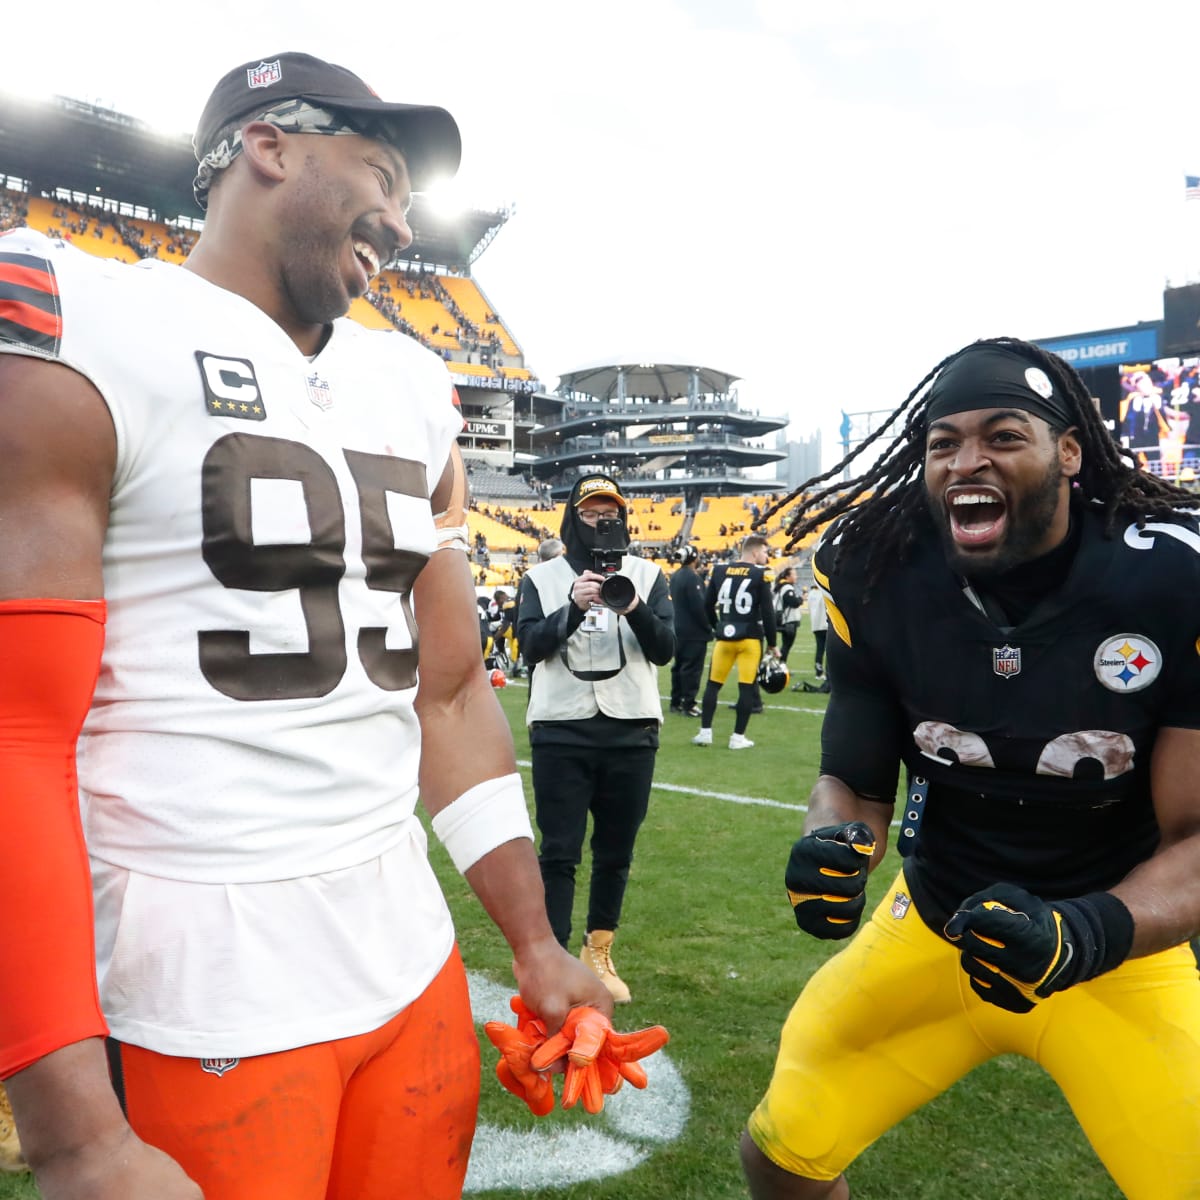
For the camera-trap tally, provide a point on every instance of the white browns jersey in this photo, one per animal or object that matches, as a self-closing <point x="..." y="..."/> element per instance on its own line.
<point x="253" y="722"/>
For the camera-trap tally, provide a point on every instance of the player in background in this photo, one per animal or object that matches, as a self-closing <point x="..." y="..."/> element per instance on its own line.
<point x="221" y="505"/>
<point x="1008" y="615"/>
<point x="741" y="609"/>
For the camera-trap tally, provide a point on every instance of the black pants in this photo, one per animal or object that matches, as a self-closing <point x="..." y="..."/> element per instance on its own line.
<point x="614" y="786"/>
<point x="787" y="638"/>
<point x="819" y="655"/>
<point x="686" y="669"/>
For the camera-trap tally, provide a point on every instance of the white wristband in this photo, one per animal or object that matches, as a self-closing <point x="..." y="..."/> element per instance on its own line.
<point x="454" y="537"/>
<point x="482" y="818"/>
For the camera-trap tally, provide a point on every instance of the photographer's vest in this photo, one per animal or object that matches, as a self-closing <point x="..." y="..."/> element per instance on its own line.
<point x="628" y="691"/>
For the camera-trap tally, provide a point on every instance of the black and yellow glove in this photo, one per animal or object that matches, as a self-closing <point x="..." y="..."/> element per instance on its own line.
<point x="1018" y="949"/>
<point x="826" y="878"/>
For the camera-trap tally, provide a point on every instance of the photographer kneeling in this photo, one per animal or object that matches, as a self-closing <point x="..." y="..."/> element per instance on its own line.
<point x="597" y="622"/>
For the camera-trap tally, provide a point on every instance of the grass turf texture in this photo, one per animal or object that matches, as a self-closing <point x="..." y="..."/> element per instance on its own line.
<point x="708" y="945"/>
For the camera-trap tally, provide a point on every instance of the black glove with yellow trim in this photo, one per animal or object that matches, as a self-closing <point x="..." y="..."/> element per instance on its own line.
<point x="826" y="878"/>
<point x="1018" y="949"/>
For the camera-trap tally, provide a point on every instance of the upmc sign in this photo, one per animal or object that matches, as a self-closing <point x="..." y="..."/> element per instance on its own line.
<point x="1111" y="348"/>
<point x="494" y="429"/>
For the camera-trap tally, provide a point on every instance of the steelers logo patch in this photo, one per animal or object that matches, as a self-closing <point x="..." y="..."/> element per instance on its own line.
<point x="1127" y="662"/>
<point x="1039" y="381"/>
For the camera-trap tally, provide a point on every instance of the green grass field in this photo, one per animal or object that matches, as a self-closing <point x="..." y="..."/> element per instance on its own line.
<point x="710" y="950"/>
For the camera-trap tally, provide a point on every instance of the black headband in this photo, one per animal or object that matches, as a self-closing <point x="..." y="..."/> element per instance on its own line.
<point x="992" y="376"/>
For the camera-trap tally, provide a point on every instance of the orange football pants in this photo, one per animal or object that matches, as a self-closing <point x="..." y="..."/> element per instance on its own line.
<point x="386" y="1115"/>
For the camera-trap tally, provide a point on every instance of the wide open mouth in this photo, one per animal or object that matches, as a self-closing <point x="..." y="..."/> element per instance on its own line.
<point x="978" y="515"/>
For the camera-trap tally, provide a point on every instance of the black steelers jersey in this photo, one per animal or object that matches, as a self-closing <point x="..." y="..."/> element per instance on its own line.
<point x="1034" y="739"/>
<point x="740" y="602"/>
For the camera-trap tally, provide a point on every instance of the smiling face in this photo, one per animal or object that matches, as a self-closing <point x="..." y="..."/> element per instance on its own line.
<point x="998" y="482"/>
<point x="341" y="219"/>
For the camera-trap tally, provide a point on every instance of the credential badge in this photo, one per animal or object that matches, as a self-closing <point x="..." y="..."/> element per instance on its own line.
<point x="1127" y="662"/>
<point x="265" y="74"/>
<point x="218" y="1066"/>
<point x="1006" y="660"/>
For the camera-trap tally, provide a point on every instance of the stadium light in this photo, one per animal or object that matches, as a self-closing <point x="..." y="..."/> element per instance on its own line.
<point x="444" y="199"/>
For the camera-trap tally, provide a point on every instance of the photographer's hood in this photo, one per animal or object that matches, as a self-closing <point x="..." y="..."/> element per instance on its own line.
<point x="578" y="537"/>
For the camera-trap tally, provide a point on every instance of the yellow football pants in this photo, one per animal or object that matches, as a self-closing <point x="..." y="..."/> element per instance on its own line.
<point x="745" y="654"/>
<point x="891" y="1022"/>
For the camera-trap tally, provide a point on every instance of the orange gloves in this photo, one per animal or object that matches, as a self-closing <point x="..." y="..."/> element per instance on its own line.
<point x="599" y="1059"/>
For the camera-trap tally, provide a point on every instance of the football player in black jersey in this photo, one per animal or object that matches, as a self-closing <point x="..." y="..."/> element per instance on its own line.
<point x="741" y="607"/>
<point x="1014" y="619"/>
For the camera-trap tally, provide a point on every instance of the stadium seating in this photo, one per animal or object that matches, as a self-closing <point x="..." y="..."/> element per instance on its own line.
<point x="365" y="313"/>
<point x="500" y="537"/>
<point x="653" y="522"/>
<point x="475" y="308"/>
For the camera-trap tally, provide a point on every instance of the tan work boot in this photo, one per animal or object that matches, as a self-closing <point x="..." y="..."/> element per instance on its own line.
<point x="11" y="1158"/>
<point x="597" y="954"/>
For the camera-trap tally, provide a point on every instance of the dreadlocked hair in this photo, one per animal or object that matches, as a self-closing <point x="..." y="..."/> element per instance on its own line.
<point x="885" y="506"/>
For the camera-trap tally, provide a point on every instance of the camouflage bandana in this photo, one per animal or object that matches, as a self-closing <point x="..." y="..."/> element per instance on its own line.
<point x="292" y="116"/>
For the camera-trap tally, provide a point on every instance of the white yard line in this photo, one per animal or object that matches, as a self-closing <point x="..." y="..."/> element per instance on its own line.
<point x="732" y="797"/>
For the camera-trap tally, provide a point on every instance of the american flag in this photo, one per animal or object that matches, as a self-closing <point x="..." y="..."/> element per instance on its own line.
<point x="1191" y="186"/>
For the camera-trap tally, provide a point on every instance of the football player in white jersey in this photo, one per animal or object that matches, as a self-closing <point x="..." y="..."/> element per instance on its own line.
<point x="225" y="513"/>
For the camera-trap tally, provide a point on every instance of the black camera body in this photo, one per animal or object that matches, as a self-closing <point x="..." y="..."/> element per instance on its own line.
<point x="609" y="546"/>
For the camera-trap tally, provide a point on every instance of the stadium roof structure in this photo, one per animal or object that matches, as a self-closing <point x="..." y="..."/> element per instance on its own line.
<point x="88" y="150"/>
<point x="653" y="380"/>
<point x="657" y="424"/>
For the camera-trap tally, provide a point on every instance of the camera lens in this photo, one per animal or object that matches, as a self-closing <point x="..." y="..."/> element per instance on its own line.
<point x="617" y="591"/>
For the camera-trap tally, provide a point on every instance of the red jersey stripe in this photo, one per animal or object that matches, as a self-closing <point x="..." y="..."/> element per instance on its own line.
<point x="39" y="281"/>
<point x="31" y="317"/>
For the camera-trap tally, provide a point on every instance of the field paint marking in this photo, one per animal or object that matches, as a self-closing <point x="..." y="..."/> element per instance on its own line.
<point x="732" y="797"/>
<point x="550" y="1155"/>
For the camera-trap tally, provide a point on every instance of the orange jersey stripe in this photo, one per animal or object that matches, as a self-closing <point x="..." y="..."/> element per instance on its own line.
<point x="31" y="317"/>
<point x="30" y="277"/>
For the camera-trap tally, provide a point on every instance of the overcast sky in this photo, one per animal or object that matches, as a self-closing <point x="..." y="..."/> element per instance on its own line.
<point x="822" y="198"/>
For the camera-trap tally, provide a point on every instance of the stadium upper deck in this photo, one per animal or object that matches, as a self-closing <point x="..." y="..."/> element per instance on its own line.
<point x="661" y="427"/>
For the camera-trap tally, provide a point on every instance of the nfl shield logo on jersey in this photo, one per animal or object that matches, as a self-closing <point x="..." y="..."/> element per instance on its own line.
<point x="218" y="1066"/>
<point x="1006" y="661"/>
<point x="319" y="392"/>
<point x="265" y="74"/>
<point x="900" y="906"/>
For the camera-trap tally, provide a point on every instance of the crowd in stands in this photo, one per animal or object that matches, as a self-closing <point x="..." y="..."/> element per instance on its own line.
<point x="14" y="210"/>
<point x="518" y="521"/>
<point x="418" y="282"/>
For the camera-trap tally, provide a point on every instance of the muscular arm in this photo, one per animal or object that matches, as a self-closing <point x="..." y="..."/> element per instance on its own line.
<point x="1163" y="893"/>
<point x="465" y="742"/>
<point x="57" y="458"/>
<point x="833" y="802"/>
